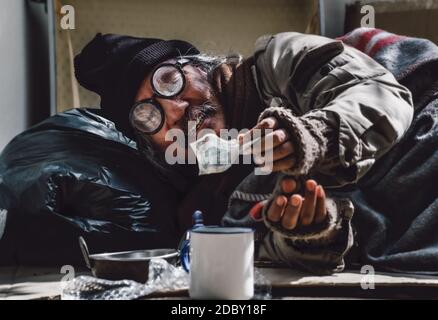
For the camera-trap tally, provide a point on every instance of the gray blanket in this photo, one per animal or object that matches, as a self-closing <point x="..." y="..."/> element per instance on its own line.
<point x="396" y="203"/>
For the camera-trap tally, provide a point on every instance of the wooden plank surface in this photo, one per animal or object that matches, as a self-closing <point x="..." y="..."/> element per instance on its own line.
<point x="45" y="283"/>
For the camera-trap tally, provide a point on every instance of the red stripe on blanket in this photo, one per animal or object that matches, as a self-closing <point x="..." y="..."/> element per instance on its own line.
<point x="384" y="42"/>
<point x="365" y="38"/>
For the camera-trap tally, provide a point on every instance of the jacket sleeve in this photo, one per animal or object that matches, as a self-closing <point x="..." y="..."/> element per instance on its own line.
<point x="344" y="110"/>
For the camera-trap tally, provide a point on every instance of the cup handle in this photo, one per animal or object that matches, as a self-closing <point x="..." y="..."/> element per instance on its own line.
<point x="184" y="255"/>
<point x="184" y="245"/>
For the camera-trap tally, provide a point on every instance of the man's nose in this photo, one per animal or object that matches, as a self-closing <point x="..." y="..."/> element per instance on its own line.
<point x="174" y="110"/>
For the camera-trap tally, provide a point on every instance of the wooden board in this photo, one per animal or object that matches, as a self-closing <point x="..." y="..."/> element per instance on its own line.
<point x="23" y="283"/>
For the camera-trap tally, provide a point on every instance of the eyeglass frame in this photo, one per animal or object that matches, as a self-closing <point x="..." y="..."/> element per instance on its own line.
<point x="152" y="100"/>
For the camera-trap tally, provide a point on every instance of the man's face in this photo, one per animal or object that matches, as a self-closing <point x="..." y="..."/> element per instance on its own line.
<point x="196" y="102"/>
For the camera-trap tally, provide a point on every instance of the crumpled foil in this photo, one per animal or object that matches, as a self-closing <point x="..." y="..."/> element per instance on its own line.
<point x="163" y="277"/>
<point x="262" y="286"/>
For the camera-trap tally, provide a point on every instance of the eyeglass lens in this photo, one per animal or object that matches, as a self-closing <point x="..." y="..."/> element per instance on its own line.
<point x="168" y="81"/>
<point x="147" y="118"/>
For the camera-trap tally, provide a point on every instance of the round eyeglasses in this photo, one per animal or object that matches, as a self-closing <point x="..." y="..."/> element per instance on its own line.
<point x="167" y="81"/>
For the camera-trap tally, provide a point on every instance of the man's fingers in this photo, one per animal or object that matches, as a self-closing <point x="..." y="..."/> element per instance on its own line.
<point x="295" y="209"/>
<point x="286" y="149"/>
<point x="269" y="142"/>
<point x="308" y="211"/>
<point x="279" y="165"/>
<point x="288" y="185"/>
<point x="267" y="123"/>
<point x="320" y="210"/>
<point x="280" y="152"/>
<point x="277" y="207"/>
<point x="291" y="213"/>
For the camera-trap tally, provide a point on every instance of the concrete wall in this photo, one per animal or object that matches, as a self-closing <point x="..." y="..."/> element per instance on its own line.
<point x="332" y="17"/>
<point x="24" y="91"/>
<point x="219" y="27"/>
<point x="13" y="69"/>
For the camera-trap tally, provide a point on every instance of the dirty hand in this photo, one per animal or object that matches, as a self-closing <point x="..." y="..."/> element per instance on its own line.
<point x="294" y="210"/>
<point x="274" y="150"/>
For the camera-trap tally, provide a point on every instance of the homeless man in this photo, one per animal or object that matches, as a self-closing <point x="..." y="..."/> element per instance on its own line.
<point x="333" y="112"/>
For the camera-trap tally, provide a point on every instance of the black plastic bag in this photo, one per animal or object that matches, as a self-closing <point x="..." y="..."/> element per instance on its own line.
<point x="75" y="174"/>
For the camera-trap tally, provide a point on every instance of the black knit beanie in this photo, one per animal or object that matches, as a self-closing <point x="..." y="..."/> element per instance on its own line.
<point x="114" y="66"/>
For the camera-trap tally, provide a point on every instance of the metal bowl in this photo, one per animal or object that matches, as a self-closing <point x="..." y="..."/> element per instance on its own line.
<point x="132" y="265"/>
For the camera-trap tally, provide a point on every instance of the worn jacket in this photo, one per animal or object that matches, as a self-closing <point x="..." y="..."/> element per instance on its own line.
<point x="343" y="111"/>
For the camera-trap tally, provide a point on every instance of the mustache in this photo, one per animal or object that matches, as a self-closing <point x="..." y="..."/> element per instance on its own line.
<point x="202" y="112"/>
<point x="198" y="113"/>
